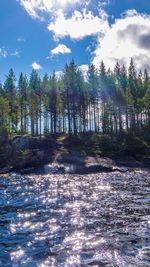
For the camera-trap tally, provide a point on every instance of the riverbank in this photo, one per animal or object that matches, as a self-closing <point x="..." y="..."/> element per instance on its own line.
<point x="84" y="153"/>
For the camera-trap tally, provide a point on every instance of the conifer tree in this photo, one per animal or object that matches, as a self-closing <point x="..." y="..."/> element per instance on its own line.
<point x="11" y="94"/>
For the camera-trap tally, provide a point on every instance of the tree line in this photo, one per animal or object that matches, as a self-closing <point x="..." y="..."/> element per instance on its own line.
<point x="105" y="101"/>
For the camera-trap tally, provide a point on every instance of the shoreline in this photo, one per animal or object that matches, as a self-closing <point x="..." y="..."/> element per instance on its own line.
<point x="25" y="153"/>
<point x="73" y="167"/>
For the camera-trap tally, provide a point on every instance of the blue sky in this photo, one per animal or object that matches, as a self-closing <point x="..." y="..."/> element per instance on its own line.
<point x="45" y="34"/>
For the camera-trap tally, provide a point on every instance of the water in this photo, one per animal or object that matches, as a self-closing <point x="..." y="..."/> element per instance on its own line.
<point x="75" y="220"/>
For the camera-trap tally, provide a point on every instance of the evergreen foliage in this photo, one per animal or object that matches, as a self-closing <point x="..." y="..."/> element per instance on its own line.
<point x="107" y="102"/>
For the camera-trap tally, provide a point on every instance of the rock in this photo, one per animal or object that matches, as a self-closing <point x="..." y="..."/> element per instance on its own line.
<point x="29" y="152"/>
<point x="82" y="164"/>
<point x="70" y="159"/>
<point x="132" y="163"/>
<point x="29" y="170"/>
<point x="26" y="153"/>
<point x="54" y="168"/>
<point x="104" y="162"/>
<point x="6" y="170"/>
<point x="20" y="142"/>
<point x="33" y="158"/>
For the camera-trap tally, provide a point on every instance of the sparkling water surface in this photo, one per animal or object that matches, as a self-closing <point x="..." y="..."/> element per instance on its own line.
<point x="68" y="220"/>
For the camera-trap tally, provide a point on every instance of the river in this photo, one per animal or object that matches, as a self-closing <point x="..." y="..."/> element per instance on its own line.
<point x="68" y="220"/>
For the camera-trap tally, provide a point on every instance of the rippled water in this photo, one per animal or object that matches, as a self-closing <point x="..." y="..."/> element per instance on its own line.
<point x="74" y="220"/>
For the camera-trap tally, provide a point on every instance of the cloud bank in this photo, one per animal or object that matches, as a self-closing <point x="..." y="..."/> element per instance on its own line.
<point x="79" y="25"/>
<point x="128" y="37"/>
<point x="38" y="8"/>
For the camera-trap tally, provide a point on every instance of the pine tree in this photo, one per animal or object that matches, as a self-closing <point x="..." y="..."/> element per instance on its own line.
<point x="45" y="100"/>
<point x="11" y="94"/>
<point x="33" y="102"/>
<point x="93" y="91"/>
<point x="23" y="103"/>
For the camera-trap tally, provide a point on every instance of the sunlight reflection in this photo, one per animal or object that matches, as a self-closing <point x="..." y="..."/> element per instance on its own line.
<point x="17" y="254"/>
<point x="73" y="260"/>
<point x="12" y="228"/>
<point x="50" y="262"/>
<point x="72" y="221"/>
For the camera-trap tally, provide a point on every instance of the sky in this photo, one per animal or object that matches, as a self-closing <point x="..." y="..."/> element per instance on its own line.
<point x="46" y="34"/>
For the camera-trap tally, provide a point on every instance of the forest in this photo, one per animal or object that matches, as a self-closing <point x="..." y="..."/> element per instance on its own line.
<point x="104" y="101"/>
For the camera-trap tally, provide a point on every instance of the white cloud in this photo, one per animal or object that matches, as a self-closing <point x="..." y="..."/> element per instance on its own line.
<point x="58" y="74"/>
<point x="73" y="18"/>
<point x="84" y="69"/>
<point x="61" y="49"/>
<point x="79" y="25"/>
<point x="36" y="8"/>
<point x="127" y="37"/>
<point x="6" y="52"/>
<point x="130" y="13"/>
<point x="15" y="53"/>
<point x="3" y="52"/>
<point x="20" y="39"/>
<point x="36" y="66"/>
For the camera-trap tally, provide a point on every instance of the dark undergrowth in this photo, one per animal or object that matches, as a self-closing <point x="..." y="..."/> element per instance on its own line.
<point x="123" y="144"/>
